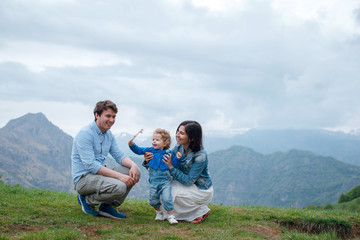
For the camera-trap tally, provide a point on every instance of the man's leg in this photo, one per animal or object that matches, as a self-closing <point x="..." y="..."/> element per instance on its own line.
<point x="100" y="189"/>
<point x="121" y="199"/>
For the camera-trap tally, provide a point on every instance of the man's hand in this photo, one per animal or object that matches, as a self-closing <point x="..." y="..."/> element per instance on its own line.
<point x="134" y="173"/>
<point x="129" y="181"/>
<point x="130" y="143"/>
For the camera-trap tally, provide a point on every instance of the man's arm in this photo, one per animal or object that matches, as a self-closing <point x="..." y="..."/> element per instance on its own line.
<point x="134" y="169"/>
<point x="128" y="180"/>
<point x="120" y="157"/>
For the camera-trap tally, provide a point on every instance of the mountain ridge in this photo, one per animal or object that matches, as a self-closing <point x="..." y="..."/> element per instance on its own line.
<point x="298" y="178"/>
<point x="33" y="149"/>
<point x="36" y="153"/>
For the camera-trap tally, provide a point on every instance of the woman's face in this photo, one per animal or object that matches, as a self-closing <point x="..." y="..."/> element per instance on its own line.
<point x="182" y="137"/>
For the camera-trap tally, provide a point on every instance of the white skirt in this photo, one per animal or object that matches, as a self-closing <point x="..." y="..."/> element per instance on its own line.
<point x="190" y="202"/>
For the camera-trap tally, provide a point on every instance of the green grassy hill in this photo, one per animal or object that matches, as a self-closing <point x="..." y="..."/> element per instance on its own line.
<point x="44" y="214"/>
<point x="347" y="201"/>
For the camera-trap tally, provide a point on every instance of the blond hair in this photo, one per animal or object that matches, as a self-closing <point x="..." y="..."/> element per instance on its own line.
<point x="165" y="135"/>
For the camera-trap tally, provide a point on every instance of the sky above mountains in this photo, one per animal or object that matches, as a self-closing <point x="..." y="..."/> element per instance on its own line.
<point x="231" y="65"/>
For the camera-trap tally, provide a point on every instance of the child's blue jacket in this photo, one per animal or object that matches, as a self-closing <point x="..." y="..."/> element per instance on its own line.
<point x="156" y="162"/>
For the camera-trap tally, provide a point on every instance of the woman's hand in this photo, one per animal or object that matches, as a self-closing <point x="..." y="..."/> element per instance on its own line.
<point x="148" y="156"/>
<point x="167" y="160"/>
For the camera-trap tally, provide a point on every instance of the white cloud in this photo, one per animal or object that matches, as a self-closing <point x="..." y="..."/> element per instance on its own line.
<point x="38" y="56"/>
<point x="231" y="65"/>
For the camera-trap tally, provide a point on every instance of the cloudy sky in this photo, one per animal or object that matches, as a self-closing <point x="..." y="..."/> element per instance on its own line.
<point x="232" y="65"/>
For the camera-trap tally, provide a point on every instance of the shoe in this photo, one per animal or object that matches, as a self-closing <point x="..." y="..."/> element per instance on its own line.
<point x="108" y="211"/>
<point x="172" y="219"/>
<point x="86" y="207"/>
<point x="201" y="219"/>
<point x="159" y="216"/>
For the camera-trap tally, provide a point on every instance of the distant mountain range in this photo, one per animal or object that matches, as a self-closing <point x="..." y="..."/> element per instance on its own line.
<point x="35" y="153"/>
<point x="281" y="179"/>
<point x="339" y="145"/>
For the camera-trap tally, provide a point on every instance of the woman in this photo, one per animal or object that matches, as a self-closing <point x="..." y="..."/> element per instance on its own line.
<point x="192" y="187"/>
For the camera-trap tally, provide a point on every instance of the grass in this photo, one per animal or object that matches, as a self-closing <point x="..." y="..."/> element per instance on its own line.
<point x="42" y="214"/>
<point x="353" y="205"/>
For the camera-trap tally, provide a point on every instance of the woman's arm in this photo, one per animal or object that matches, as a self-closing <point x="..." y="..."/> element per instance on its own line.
<point x="200" y="162"/>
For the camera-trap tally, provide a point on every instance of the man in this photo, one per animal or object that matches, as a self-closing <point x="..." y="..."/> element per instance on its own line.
<point x="96" y="183"/>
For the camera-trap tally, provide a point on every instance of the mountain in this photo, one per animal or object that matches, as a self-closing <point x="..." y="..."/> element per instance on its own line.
<point x="35" y="153"/>
<point x="339" y="145"/>
<point x="282" y="179"/>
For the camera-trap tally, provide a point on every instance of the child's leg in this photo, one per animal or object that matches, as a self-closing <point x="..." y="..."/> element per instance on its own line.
<point x="166" y="198"/>
<point x="154" y="193"/>
<point x="167" y="202"/>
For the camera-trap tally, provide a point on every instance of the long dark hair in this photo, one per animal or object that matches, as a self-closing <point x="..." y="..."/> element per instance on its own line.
<point x="194" y="131"/>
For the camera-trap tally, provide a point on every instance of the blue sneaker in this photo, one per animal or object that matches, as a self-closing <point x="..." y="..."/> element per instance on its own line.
<point x="108" y="211"/>
<point x="86" y="207"/>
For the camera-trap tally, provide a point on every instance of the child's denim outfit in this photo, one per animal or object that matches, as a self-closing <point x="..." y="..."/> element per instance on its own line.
<point x="159" y="176"/>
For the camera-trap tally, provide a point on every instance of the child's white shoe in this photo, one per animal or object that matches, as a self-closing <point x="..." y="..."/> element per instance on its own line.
<point x="172" y="219"/>
<point x="159" y="216"/>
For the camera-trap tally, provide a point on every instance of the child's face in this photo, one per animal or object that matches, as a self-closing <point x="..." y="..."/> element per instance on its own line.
<point x="158" y="142"/>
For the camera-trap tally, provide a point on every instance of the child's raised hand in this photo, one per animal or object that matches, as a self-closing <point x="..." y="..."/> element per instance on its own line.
<point x="130" y="143"/>
<point x="178" y="155"/>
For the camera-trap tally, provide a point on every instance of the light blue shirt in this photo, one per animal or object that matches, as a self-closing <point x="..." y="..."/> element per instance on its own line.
<point x="90" y="149"/>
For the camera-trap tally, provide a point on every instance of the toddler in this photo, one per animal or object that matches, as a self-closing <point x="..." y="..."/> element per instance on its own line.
<point x="159" y="175"/>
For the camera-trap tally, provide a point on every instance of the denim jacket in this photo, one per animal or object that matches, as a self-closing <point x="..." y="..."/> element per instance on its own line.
<point x="193" y="169"/>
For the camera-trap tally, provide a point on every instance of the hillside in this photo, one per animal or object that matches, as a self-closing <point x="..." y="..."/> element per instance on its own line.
<point x="44" y="214"/>
<point x="35" y="153"/>
<point x="293" y="178"/>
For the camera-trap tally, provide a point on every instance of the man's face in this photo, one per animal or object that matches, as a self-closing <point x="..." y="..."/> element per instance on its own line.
<point x="106" y="119"/>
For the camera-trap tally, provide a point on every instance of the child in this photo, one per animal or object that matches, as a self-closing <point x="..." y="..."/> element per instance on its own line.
<point x="159" y="175"/>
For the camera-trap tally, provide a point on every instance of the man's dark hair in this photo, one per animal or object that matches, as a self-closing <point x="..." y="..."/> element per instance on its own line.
<point x="104" y="105"/>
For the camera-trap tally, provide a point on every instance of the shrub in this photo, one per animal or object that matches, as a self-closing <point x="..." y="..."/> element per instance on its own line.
<point x="350" y="195"/>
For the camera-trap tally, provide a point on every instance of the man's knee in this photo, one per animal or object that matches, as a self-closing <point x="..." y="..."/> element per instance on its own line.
<point x="124" y="170"/>
<point x="121" y="169"/>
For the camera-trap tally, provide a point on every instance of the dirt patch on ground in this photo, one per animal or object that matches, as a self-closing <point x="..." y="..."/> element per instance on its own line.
<point x="355" y="231"/>
<point x="18" y="228"/>
<point x="270" y="232"/>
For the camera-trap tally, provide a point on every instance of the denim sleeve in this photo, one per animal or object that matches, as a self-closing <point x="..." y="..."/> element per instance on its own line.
<point x="200" y="162"/>
<point x="115" y="151"/>
<point x="84" y="144"/>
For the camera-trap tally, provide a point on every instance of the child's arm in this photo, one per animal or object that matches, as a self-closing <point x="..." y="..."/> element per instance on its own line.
<point x="136" y="149"/>
<point x="176" y="159"/>
<point x="178" y="155"/>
